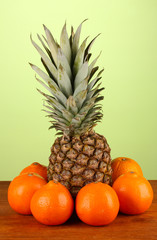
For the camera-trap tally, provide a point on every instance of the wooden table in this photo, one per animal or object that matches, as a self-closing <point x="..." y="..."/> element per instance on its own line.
<point x="15" y="226"/>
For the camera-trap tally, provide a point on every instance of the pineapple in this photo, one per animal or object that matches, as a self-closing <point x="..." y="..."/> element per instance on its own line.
<point x="80" y="155"/>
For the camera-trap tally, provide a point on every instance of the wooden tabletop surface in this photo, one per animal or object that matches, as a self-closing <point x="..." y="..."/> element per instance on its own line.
<point x="16" y="226"/>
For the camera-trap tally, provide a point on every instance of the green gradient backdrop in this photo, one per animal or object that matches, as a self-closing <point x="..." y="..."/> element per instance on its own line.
<point x="129" y="55"/>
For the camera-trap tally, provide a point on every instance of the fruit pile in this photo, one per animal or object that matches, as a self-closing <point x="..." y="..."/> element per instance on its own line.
<point x="96" y="204"/>
<point x="80" y="163"/>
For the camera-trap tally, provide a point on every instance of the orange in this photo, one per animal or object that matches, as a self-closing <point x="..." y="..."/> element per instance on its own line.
<point x="134" y="192"/>
<point x="21" y="190"/>
<point x="36" y="168"/>
<point x="97" y="204"/>
<point x="123" y="165"/>
<point x="52" y="204"/>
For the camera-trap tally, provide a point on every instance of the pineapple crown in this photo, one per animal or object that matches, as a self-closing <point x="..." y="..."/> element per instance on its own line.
<point x="74" y="92"/>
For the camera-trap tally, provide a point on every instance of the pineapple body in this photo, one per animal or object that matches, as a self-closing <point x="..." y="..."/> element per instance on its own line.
<point x="77" y="161"/>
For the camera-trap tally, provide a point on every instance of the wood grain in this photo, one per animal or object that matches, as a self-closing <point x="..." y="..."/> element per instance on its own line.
<point x="15" y="226"/>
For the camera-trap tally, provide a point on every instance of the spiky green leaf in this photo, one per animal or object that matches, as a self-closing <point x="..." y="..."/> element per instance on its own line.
<point x="76" y="39"/>
<point x="71" y="105"/>
<point x="67" y="115"/>
<point x="93" y="64"/>
<point x="79" y="57"/>
<point x="43" y="75"/>
<point x="80" y="98"/>
<point x="51" y="43"/>
<point x="64" y="81"/>
<point x="62" y="60"/>
<point x="90" y="45"/>
<point x="82" y="86"/>
<point x="94" y="81"/>
<point x="45" y="47"/>
<point x="53" y="88"/>
<point x="52" y="101"/>
<point x="65" y="44"/>
<point x="92" y="92"/>
<point x="81" y="75"/>
<point x="47" y="61"/>
<point x="45" y="86"/>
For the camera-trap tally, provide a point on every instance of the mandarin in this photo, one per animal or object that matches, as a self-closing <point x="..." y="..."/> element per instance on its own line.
<point x="21" y="190"/>
<point x="36" y="168"/>
<point x="134" y="192"/>
<point x="97" y="204"/>
<point x="123" y="165"/>
<point x="52" y="204"/>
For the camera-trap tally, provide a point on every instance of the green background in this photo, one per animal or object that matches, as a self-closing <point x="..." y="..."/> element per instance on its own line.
<point x="129" y="55"/>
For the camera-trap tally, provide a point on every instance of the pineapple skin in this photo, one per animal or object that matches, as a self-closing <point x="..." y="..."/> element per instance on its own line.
<point x="78" y="160"/>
